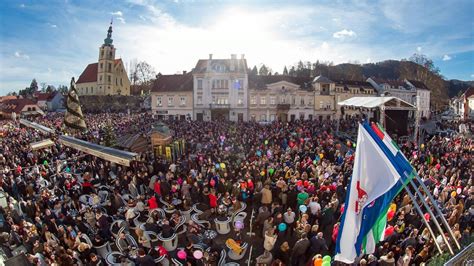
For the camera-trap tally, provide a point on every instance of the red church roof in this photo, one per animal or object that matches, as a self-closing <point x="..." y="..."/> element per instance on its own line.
<point x="89" y="74"/>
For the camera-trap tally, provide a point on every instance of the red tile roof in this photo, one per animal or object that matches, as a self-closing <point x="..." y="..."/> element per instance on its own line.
<point x="6" y="98"/>
<point x="180" y="82"/>
<point x="89" y="74"/>
<point x="45" y="96"/>
<point x="16" y="105"/>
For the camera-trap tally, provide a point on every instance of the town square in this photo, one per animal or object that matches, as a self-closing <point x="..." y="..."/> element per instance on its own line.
<point x="219" y="133"/>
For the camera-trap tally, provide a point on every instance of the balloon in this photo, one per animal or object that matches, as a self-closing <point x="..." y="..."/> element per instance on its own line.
<point x="318" y="262"/>
<point x="390" y="215"/>
<point x="45" y="162"/>
<point x="182" y="254"/>
<point x="393" y="207"/>
<point x="223" y="165"/>
<point x="271" y="171"/>
<point x="326" y="263"/>
<point x="458" y="191"/>
<point x="259" y="153"/>
<point x="438" y="166"/>
<point x="218" y="166"/>
<point x="212" y="182"/>
<point x="389" y="231"/>
<point x="422" y="146"/>
<point x="299" y="183"/>
<point x="306" y="183"/>
<point x="315" y="162"/>
<point x="453" y="194"/>
<point x="327" y="258"/>
<point x="354" y="145"/>
<point x="282" y="227"/>
<point x="303" y="208"/>
<point x="239" y="225"/>
<point x="266" y="142"/>
<point x="197" y="254"/>
<point x="68" y="170"/>
<point x="262" y="173"/>
<point x="321" y="155"/>
<point x="427" y="217"/>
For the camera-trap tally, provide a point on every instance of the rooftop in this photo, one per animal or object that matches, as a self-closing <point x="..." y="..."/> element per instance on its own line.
<point x="179" y="82"/>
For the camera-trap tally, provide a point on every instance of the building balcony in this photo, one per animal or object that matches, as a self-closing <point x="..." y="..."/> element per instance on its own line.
<point x="283" y="106"/>
<point x="219" y="106"/>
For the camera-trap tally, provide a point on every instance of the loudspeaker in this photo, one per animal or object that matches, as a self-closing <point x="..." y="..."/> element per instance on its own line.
<point x="18" y="260"/>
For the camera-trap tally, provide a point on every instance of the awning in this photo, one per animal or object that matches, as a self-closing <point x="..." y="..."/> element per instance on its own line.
<point x="41" y="144"/>
<point x="390" y="103"/>
<point x="103" y="152"/>
<point x="36" y="126"/>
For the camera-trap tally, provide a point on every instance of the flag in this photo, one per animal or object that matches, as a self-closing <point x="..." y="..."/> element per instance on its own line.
<point x="378" y="176"/>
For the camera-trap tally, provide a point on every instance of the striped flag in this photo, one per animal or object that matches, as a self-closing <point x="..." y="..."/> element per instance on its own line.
<point x="380" y="172"/>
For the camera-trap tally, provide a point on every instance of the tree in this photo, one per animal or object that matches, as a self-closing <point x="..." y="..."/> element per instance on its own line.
<point x="62" y="89"/>
<point x="254" y="71"/>
<point x="263" y="71"/>
<point x="423" y="60"/>
<point x="12" y="93"/>
<point x="144" y="72"/>
<point x="292" y="71"/>
<point x="34" y="86"/>
<point x="110" y="139"/>
<point x="285" y="71"/>
<point x="50" y="89"/>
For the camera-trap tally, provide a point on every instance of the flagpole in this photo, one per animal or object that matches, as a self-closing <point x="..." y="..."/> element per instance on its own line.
<point x="418" y="193"/>
<point x="436" y="207"/>
<point x="420" y="212"/>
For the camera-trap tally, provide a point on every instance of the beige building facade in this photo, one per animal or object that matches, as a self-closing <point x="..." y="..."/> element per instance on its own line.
<point x="106" y="77"/>
<point x="172" y="97"/>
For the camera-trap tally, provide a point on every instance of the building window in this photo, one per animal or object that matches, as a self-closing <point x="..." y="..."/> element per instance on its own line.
<point x="109" y="78"/>
<point x="262" y="100"/>
<point x="199" y="84"/>
<point x="116" y="81"/>
<point x="110" y="67"/>
<point x="253" y="100"/>
<point x="87" y="90"/>
<point x="272" y="118"/>
<point x="302" y="100"/>
<point x="199" y="100"/>
<point x="92" y="90"/>
<point x="101" y="65"/>
<point x="321" y="103"/>
<point x="110" y="54"/>
<point x="240" y="101"/>
<point x="100" y="78"/>
<point x="121" y="82"/>
<point x="102" y="54"/>
<point x="282" y="99"/>
<point x="183" y="101"/>
<point x="159" y="102"/>
<point x="170" y="101"/>
<point x="293" y="100"/>
<point x="263" y="117"/>
<point x="272" y="100"/>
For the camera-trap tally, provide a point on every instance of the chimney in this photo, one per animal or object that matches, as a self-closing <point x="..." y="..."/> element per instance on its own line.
<point x="184" y="72"/>
<point x="210" y="56"/>
<point x="233" y="56"/>
<point x="242" y="56"/>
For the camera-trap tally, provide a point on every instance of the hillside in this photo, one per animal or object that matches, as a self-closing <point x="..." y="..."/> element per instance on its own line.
<point x="441" y="90"/>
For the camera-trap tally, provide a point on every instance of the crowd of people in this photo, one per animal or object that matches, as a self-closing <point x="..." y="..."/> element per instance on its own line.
<point x="62" y="205"/>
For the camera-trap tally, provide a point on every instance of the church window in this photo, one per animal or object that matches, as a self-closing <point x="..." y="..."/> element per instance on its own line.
<point x="100" y="78"/>
<point x="87" y="90"/>
<point x="110" y="67"/>
<point x="116" y="81"/>
<point x="102" y="53"/>
<point x="101" y="65"/>
<point x="121" y="82"/>
<point x="109" y="78"/>
<point x="110" y="54"/>
<point x="92" y="90"/>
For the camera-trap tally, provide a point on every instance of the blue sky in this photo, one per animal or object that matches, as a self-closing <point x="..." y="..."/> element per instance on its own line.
<point x="54" y="40"/>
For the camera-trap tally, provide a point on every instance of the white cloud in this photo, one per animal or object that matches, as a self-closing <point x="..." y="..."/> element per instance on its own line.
<point x="472" y="76"/>
<point x="418" y="49"/>
<point x="344" y="34"/>
<point x="19" y="54"/>
<point x="22" y="6"/>
<point x="446" y="57"/>
<point x="121" y="20"/>
<point x="117" y="13"/>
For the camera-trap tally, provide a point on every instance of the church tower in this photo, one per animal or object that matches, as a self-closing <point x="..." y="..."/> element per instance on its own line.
<point x="105" y="71"/>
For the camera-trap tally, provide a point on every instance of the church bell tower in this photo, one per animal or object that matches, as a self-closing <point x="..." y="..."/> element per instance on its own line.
<point x="106" y="66"/>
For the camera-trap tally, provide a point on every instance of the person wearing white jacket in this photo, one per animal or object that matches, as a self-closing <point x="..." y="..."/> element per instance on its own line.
<point x="270" y="239"/>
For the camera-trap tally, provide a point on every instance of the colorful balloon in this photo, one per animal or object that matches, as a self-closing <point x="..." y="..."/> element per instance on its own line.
<point x="266" y="142"/>
<point x="427" y="217"/>
<point x="222" y="165"/>
<point x="326" y="263"/>
<point x="327" y="258"/>
<point x="197" y="254"/>
<point x="182" y="254"/>
<point x="390" y="215"/>
<point x="271" y="171"/>
<point x="239" y="225"/>
<point x="318" y="262"/>
<point x="303" y="208"/>
<point x="282" y="227"/>
<point x="218" y="166"/>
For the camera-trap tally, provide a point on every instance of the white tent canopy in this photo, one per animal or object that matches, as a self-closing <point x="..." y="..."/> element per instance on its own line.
<point x="390" y="103"/>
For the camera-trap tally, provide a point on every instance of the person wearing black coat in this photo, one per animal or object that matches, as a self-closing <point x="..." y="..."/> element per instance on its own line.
<point x="318" y="245"/>
<point x="144" y="259"/>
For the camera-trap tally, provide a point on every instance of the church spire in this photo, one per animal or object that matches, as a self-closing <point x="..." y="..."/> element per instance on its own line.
<point x="108" y="40"/>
